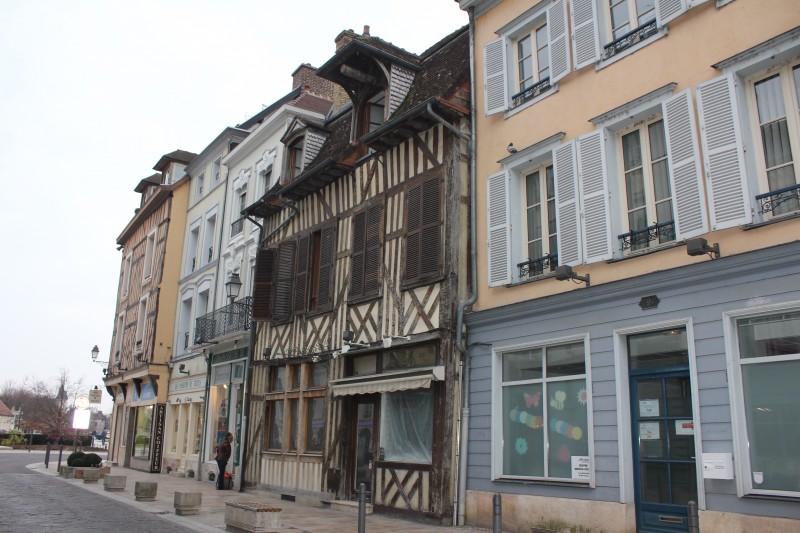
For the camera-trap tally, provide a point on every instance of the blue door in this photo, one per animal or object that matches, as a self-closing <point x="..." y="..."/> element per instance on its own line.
<point x="662" y="425"/>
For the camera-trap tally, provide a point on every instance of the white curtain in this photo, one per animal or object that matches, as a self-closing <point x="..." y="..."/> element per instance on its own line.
<point x="407" y="426"/>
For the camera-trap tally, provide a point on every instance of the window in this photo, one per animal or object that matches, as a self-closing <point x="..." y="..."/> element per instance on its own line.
<point x="185" y="331"/>
<point x="296" y="407"/>
<point x="238" y="223"/>
<point x="626" y="15"/>
<point x="215" y="172"/>
<point x="544" y="414"/>
<point x="776" y="102"/>
<point x="423" y="230"/>
<point x="193" y="248"/>
<point x="119" y="336"/>
<point x="645" y="180"/>
<point x="198" y="187"/>
<point x="209" y="236"/>
<point x="531" y="55"/>
<point x="767" y="361"/>
<point x="375" y="111"/>
<point x="144" y="426"/>
<point x="141" y="323"/>
<point x="406" y="433"/>
<point x="149" y="255"/>
<point x="365" y="258"/>
<point x="294" y="159"/>
<point x="540" y="218"/>
<point x="126" y="275"/>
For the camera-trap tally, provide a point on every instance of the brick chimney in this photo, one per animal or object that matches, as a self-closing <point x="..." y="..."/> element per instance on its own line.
<point x="343" y="38"/>
<point x="305" y="76"/>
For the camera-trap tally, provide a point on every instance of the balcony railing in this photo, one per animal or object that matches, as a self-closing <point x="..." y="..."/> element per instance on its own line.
<point x="780" y="201"/>
<point x="536" y="267"/>
<point x="230" y="319"/>
<point x="629" y="39"/>
<point x="237" y="226"/>
<point x="531" y="92"/>
<point x="641" y="238"/>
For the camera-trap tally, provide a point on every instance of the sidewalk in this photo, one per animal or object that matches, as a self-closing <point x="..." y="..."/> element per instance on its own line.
<point x="295" y="517"/>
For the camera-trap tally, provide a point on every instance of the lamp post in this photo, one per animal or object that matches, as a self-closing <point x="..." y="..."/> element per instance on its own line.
<point x="232" y="287"/>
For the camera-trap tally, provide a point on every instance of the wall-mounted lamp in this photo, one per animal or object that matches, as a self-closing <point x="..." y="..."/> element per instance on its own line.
<point x="511" y="149"/>
<point x="699" y="246"/>
<point x="182" y="369"/>
<point x="387" y="341"/>
<point x="96" y="354"/>
<point x="232" y="287"/>
<point x="267" y="353"/>
<point x="565" y="272"/>
<point x="348" y="335"/>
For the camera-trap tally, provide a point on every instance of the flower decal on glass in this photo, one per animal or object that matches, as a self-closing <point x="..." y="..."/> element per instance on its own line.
<point x="521" y="446"/>
<point x="582" y="396"/>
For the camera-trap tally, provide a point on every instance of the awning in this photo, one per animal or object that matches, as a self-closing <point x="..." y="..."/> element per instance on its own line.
<point x="390" y="382"/>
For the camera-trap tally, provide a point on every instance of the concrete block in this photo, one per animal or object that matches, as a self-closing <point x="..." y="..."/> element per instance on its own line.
<point x="145" y="491"/>
<point x="188" y="503"/>
<point x="67" y="472"/>
<point x="114" y="483"/>
<point x="251" y="517"/>
<point x="91" y="475"/>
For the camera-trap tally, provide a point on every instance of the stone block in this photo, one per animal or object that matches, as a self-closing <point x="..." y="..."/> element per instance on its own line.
<point x="77" y="472"/>
<point x="104" y="471"/>
<point x="145" y="491"/>
<point x="67" y="472"/>
<point x="251" y="517"/>
<point x="114" y="483"/>
<point x="91" y="475"/>
<point x="188" y="503"/>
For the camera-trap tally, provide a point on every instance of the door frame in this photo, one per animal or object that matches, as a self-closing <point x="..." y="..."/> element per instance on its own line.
<point x="627" y="487"/>
<point x="362" y="399"/>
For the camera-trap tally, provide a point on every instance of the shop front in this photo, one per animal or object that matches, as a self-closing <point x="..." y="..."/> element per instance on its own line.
<point x="225" y="408"/>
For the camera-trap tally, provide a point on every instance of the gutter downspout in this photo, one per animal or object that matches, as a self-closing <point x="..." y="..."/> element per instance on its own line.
<point x="248" y="391"/>
<point x="463" y="437"/>
<point x="207" y="395"/>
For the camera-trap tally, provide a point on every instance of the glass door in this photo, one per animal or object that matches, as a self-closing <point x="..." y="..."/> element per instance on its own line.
<point x="365" y="445"/>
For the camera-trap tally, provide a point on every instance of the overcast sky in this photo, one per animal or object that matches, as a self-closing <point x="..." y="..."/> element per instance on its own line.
<point x="92" y="93"/>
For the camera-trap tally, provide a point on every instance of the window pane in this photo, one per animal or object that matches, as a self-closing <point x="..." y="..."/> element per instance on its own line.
<point x="276" y="425"/>
<point x="534" y="223"/>
<point x="661" y="180"/>
<point x="771" y="335"/>
<point x="619" y="18"/>
<point x="775" y="136"/>
<point x="278" y="378"/>
<point x="522" y="365"/>
<point x="565" y="360"/>
<point x="684" y="483"/>
<point x="769" y="99"/>
<point x="315" y="424"/>
<point x="773" y="423"/>
<point x="542" y="53"/>
<point x="645" y="11"/>
<point x="567" y="426"/>
<point x="655" y="482"/>
<point x="144" y="426"/>
<point x="407" y="426"/>
<point x="523" y="430"/>
<point x="532" y="189"/>
<point x="632" y="150"/>
<point x="319" y="375"/>
<point x="658" y="349"/>
<point x="634" y="185"/>
<point x="398" y="360"/>
<point x="658" y="141"/>
<point x="295" y="415"/>
<point x="296" y="374"/>
<point x="664" y="214"/>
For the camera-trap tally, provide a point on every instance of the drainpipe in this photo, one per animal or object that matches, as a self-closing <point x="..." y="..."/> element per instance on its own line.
<point x="202" y="452"/>
<point x="248" y="390"/>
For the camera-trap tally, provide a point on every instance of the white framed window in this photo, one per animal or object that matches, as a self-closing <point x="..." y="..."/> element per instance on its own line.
<point x="764" y="360"/>
<point x="529" y="58"/>
<point x="193" y="248"/>
<point x="119" y="336"/>
<point x="540" y="220"/>
<point x="238" y="221"/>
<point x="185" y="329"/>
<point x="149" y="255"/>
<point x="209" y="237"/>
<point x="141" y="324"/>
<point x="216" y="169"/>
<point x="542" y="412"/>
<point x="199" y="182"/>
<point x="126" y="275"/>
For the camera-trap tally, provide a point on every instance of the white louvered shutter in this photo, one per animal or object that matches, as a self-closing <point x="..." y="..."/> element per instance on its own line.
<point x="585" y="39"/>
<point x="667" y="10"/>
<point x="689" y="207"/>
<point x="723" y="155"/>
<point x="494" y="70"/>
<point x="567" y="220"/>
<point x="499" y="229"/>
<point x="559" y="49"/>
<point x="596" y="220"/>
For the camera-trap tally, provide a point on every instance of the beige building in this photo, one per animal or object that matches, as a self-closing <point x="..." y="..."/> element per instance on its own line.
<point x="635" y="337"/>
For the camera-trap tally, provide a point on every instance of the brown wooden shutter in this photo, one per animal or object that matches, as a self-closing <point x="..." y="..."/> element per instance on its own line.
<point x="301" y="275"/>
<point x="372" y="252"/>
<point x="413" y="225"/>
<point x="357" y="255"/>
<point x="430" y="233"/>
<point x="263" y="285"/>
<point x="327" y="256"/>
<point x="282" y="306"/>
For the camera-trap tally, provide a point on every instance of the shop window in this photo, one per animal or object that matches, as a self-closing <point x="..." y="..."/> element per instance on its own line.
<point x="144" y="428"/>
<point x="296" y="407"/>
<point x="406" y="433"/>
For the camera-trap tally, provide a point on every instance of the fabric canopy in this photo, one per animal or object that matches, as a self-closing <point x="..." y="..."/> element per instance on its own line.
<point x="390" y="382"/>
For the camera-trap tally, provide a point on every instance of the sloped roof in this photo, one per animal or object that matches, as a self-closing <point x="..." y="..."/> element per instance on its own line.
<point x="178" y="156"/>
<point x="270" y="109"/>
<point x="4" y="410"/>
<point x="154" y="179"/>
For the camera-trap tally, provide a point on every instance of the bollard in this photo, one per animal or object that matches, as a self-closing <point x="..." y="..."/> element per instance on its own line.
<point x="694" y="517"/>
<point x="60" y="453"/>
<point x="362" y="508"/>
<point x="497" y="514"/>
<point x="47" y="456"/>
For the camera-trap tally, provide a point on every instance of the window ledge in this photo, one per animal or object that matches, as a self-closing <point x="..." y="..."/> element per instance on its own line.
<point x="364" y="299"/>
<point x="513" y="111"/>
<point x="640" y="253"/>
<point x="534" y="279"/>
<point x="408" y="285"/>
<point x="775" y="220"/>
<point x="774" y="497"/>
<point x="603" y="63"/>
<point x="583" y="484"/>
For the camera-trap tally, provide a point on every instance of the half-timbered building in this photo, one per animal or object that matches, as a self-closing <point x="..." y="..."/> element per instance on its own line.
<point x="354" y="376"/>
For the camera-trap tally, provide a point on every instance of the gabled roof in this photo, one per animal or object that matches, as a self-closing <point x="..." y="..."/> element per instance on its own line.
<point x="154" y="179"/>
<point x="178" y="156"/>
<point x="4" y="410"/>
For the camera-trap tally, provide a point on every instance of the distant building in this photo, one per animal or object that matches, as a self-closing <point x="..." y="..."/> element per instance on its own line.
<point x="7" y="418"/>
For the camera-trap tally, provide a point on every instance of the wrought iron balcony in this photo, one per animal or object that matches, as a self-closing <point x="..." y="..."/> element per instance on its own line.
<point x="629" y="39"/>
<point x="230" y="319"/>
<point x="536" y="267"/>
<point x="641" y="238"/>
<point x="788" y="197"/>
<point x="534" y="90"/>
<point x="237" y="226"/>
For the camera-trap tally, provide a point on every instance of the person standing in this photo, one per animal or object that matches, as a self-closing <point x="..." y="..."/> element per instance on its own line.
<point x="223" y="454"/>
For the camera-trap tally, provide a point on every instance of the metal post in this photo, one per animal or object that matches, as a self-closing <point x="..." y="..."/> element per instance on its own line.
<point x="30" y="441"/>
<point x="60" y="453"/>
<point x="47" y="456"/>
<point x="497" y="515"/>
<point x="694" y="517"/>
<point x="362" y="508"/>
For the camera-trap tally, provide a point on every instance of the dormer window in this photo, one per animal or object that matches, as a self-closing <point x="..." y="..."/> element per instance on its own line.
<point x="294" y="159"/>
<point x="375" y="111"/>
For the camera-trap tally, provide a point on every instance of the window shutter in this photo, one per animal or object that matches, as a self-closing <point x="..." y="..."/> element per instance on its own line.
<point x="430" y="232"/>
<point x="327" y="257"/>
<point x="357" y="255"/>
<point x="413" y="215"/>
<point x="684" y="166"/>
<point x="585" y="39"/>
<point x="594" y="197"/>
<point x="559" y="49"/>
<point x="723" y="156"/>
<point x="262" y="285"/>
<point x="566" y="179"/>
<point x="282" y="306"/>
<point x="301" y="275"/>
<point x="499" y="230"/>
<point x="494" y="69"/>
<point x="372" y="250"/>
<point x="668" y="10"/>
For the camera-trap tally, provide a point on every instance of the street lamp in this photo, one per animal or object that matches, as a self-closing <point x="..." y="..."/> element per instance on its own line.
<point x="232" y="287"/>
<point x="95" y="353"/>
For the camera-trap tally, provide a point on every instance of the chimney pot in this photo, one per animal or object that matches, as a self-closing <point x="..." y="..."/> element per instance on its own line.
<point x="366" y="30"/>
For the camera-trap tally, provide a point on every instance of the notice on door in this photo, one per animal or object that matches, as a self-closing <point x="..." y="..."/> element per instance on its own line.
<point x="684" y="427"/>
<point x="648" y="408"/>
<point x="649" y="430"/>
<point x="581" y="467"/>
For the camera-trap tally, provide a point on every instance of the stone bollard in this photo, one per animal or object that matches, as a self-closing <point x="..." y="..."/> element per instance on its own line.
<point x="188" y="503"/>
<point x="251" y="517"/>
<point x="91" y="475"/>
<point x="145" y="491"/>
<point x="114" y="483"/>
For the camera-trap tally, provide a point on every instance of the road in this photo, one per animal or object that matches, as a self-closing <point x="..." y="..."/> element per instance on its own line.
<point x="30" y="501"/>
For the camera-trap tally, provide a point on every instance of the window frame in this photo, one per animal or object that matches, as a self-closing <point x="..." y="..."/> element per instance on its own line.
<point x="141" y="324"/>
<point x="544" y="201"/>
<point x="199" y="184"/>
<point x="127" y="265"/>
<point x="294" y="162"/>
<point x="296" y="403"/>
<point x="497" y="455"/>
<point x="149" y="256"/>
